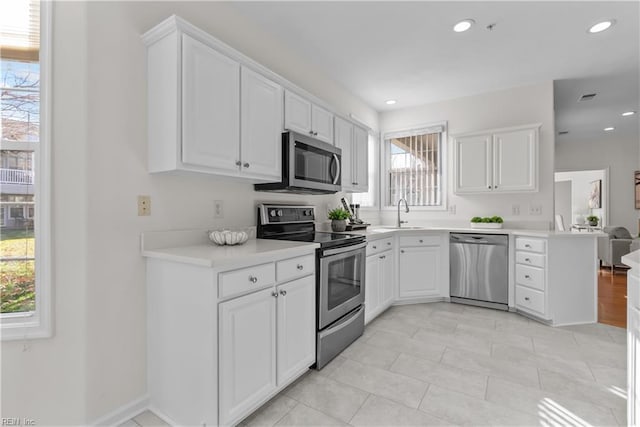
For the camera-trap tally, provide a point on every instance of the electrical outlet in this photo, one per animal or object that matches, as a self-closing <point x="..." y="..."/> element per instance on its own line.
<point x="144" y="205"/>
<point x="515" y="209"/>
<point x="452" y="209"/>
<point x="535" y="209"/>
<point x="218" y="209"/>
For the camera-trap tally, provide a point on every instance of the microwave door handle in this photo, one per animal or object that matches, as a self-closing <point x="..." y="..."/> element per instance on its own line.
<point x="337" y="162"/>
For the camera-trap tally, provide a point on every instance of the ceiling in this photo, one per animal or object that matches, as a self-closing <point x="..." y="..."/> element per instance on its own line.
<point x="407" y="51"/>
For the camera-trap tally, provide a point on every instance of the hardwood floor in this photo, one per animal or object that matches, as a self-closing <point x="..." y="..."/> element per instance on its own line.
<point x="612" y="297"/>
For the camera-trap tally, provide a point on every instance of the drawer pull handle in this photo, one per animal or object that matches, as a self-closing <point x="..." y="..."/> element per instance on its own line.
<point x="300" y="267"/>
<point x="526" y="298"/>
<point x="383" y="257"/>
<point x="527" y="246"/>
<point x="375" y="247"/>
<point x="402" y="251"/>
<point x="420" y="240"/>
<point x="528" y="259"/>
<point x="274" y="294"/>
<point x="526" y="276"/>
<point x="246" y="165"/>
<point x="388" y="243"/>
<point x="253" y="279"/>
<point x="283" y="293"/>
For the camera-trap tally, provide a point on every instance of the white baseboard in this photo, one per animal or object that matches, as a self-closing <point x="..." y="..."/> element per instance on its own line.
<point x="123" y="413"/>
<point x="162" y="416"/>
<point x="419" y="300"/>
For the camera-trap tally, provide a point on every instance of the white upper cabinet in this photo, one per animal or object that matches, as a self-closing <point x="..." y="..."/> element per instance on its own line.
<point x="302" y="116"/>
<point x="515" y="158"/>
<point x="208" y="113"/>
<point x="210" y="107"/>
<point x="360" y="159"/>
<point x="322" y="124"/>
<point x="473" y="164"/>
<point x="353" y="141"/>
<point x="504" y="160"/>
<point x="261" y="118"/>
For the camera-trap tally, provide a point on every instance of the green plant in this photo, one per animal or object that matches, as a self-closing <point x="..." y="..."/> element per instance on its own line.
<point x="486" y="219"/>
<point x="593" y="219"/>
<point x="338" y="213"/>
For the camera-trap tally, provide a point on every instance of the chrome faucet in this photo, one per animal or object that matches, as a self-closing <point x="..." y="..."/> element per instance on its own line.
<point x="406" y="205"/>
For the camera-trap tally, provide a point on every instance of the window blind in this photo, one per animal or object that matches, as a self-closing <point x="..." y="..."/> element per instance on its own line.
<point x="20" y="30"/>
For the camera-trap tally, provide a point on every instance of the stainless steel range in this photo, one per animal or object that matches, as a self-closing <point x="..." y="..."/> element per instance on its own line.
<point x="340" y="264"/>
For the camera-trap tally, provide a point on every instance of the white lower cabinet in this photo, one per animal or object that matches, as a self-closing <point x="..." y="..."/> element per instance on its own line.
<point x="266" y="338"/>
<point x="247" y="341"/>
<point x="379" y="284"/>
<point x="633" y="347"/>
<point x="419" y="272"/>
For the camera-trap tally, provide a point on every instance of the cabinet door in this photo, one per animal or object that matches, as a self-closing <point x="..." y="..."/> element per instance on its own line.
<point x="344" y="141"/>
<point x="473" y="168"/>
<point x="247" y="346"/>
<point x="419" y="271"/>
<point x="210" y="107"/>
<point x="297" y="113"/>
<point x="372" y="288"/>
<point x="296" y="327"/>
<point x="361" y="159"/>
<point x="261" y="121"/>
<point x="515" y="161"/>
<point x="322" y="124"/>
<point x="633" y="365"/>
<point x="387" y="279"/>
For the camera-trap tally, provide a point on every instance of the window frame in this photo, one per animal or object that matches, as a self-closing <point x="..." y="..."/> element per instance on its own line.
<point x="384" y="166"/>
<point x="39" y="324"/>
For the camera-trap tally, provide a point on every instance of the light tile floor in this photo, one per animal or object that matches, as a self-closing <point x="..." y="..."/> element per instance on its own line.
<point x="450" y="364"/>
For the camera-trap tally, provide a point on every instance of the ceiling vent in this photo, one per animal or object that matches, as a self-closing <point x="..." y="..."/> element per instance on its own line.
<point x="563" y="132"/>
<point x="587" y="97"/>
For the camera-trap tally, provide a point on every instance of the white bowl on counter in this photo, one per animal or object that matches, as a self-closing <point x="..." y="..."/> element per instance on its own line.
<point x="228" y="237"/>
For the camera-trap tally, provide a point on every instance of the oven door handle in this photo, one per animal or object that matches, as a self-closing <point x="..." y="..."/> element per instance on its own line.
<point x="343" y="250"/>
<point x="336" y="178"/>
<point x="346" y="321"/>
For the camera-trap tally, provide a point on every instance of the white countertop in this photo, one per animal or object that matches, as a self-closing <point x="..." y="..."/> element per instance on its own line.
<point x="374" y="231"/>
<point x="190" y="247"/>
<point x="632" y="259"/>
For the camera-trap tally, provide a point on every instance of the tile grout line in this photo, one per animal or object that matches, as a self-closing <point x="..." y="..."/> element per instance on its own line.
<point x="359" y="408"/>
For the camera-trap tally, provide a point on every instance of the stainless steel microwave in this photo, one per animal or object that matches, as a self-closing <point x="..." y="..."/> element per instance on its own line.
<point x="309" y="166"/>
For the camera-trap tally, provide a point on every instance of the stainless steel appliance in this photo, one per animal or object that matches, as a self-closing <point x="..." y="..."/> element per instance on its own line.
<point x="340" y="275"/>
<point x="479" y="269"/>
<point x="309" y="166"/>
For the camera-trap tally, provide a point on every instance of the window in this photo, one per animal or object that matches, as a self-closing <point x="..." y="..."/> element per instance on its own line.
<point x="414" y="167"/>
<point x="24" y="153"/>
<point x="370" y="198"/>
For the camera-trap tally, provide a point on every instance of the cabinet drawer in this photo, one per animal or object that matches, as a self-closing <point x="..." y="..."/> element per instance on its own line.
<point x="530" y="276"/>
<point x="295" y="267"/>
<point x="246" y="279"/>
<point x="530" y="300"/>
<point x="419" y="241"/>
<point x="530" y="244"/>
<point x="528" y="258"/>
<point x="377" y="246"/>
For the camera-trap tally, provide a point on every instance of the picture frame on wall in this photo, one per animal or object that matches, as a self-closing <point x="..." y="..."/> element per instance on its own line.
<point x="595" y="195"/>
<point x="637" y="188"/>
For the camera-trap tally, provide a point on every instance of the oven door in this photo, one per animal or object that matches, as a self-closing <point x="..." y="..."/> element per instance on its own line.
<point x="341" y="282"/>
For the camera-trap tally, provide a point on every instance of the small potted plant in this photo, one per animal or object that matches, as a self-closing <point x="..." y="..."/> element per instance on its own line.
<point x="486" y="222"/>
<point x="593" y="220"/>
<point x="338" y="217"/>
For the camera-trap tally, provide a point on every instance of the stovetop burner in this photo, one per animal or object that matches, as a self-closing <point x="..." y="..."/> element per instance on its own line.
<point x="296" y="223"/>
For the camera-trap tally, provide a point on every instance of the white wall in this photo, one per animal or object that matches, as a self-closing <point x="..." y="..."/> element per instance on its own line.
<point x="96" y="361"/>
<point x="562" y="201"/>
<point x="620" y="155"/>
<point x="581" y="186"/>
<point x="512" y="107"/>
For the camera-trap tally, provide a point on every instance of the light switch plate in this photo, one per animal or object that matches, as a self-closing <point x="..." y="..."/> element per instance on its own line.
<point x="218" y="209"/>
<point x="515" y="210"/>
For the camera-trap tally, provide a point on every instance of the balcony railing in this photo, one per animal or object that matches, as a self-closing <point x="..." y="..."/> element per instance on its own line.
<point x="16" y="176"/>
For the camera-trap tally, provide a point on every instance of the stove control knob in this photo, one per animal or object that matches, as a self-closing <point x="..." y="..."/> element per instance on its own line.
<point x="280" y="213"/>
<point x="309" y="212"/>
<point x="272" y="212"/>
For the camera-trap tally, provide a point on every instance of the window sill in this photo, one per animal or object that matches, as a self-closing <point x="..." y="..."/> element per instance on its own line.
<point x="21" y="326"/>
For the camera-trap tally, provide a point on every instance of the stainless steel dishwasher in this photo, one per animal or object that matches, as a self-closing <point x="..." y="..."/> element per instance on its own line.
<point x="479" y="269"/>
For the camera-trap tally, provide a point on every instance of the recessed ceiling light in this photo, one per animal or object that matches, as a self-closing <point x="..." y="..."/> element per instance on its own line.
<point x="390" y="102"/>
<point x="628" y="113"/>
<point x="609" y="129"/>
<point x="601" y="26"/>
<point x="463" y="25"/>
